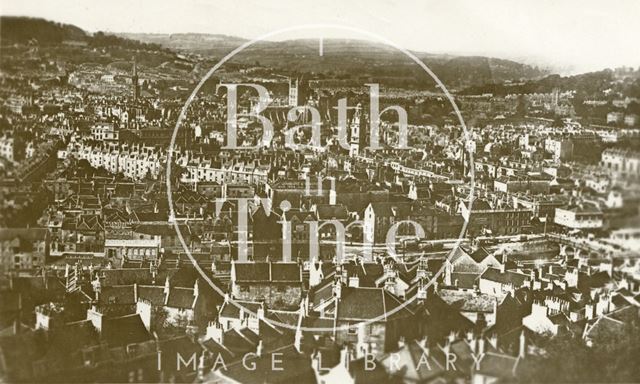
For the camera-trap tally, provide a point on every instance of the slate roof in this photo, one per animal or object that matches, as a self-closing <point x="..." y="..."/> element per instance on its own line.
<point x="498" y="365"/>
<point x="388" y="209"/>
<point x="117" y="294"/>
<point x="596" y="280"/>
<point x="182" y="298"/>
<point x="296" y="368"/>
<point x="361" y="304"/>
<point x="457" y="253"/>
<point x="125" y="276"/>
<point x="443" y="318"/>
<point x="170" y="348"/>
<point x="322" y="292"/>
<point x="71" y="337"/>
<point x="161" y="229"/>
<point x="329" y="212"/>
<point x="232" y="311"/>
<point x="367" y="273"/>
<point x="508" y="277"/>
<point x="296" y="214"/>
<point x="217" y="349"/>
<point x="266" y="272"/>
<point x="152" y="293"/>
<point x="411" y="364"/>
<point x="286" y="317"/>
<point x="613" y="321"/>
<point x="466" y="280"/>
<point x="238" y="343"/>
<point x="480" y="254"/>
<point x="120" y="331"/>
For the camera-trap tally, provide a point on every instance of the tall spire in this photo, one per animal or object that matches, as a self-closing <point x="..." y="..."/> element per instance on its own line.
<point x="135" y="68"/>
<point x="134" y="80"/>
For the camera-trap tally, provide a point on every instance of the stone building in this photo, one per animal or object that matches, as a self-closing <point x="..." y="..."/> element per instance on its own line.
<point x="279" y="284"/>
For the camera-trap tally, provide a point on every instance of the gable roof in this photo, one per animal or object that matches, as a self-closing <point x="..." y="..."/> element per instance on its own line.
<point x="117" y="294"/>
<point x="498" y="365"/>
<point x="266" y="272"/>
<point x="183" y="298"/>
<point x="329" y="212"/>
<point x="151" y="293"/>
<point x="124" y="276"/>
<point x="363" y="304"/>
<point x="513" y="278"/>
<point x="388" y="209"/>
<point x="120" y="331"/>
<point x="296" y="368"/>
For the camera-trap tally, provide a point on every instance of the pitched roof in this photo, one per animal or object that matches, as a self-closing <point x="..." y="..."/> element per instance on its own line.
<point x="239" y="343"/>
<point x="507" y="277"/>
<point x="480" y="254"/>
<point x="411" y="357"/>
<point x="183" y="298"/>
<point x="182" y="346"/>
<point x="367" y="273"/>
<point x="231" y="310"/>
<point x="329" y="212"/>
<point x="296" y="368"/>
<point x="152" y="293"/>
<point x="498" y="365"/>
<point x="117" y="294"/>
<point x="466" y="280"/>
<point x="120" y="331"/>
<point x="266" y="272"/>
<point x="388" y="209"/>
<point x="124" y="276"/>
<point x="362" y="304"/>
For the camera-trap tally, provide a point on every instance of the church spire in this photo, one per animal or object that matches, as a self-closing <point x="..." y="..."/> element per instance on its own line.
<point x="134" y="81"/>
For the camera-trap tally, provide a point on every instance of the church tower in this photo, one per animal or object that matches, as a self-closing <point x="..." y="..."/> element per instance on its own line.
<point x="356" y="132"/>
<point x="293" y="93"/>
<point x="134" y="81"/>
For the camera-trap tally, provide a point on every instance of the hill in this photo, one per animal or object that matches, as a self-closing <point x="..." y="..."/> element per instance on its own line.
<point x="341" y="59"/>
<point x="17" y="29"/>
<point x="586" y="85"/>
<point x="26" y="30"/>
<point x="348" y="57"/>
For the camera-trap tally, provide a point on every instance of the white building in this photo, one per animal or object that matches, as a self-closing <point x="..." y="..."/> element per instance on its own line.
<point x="580" y="216"/>
<point x="6" y="147"/>
<point x="104" y="132"/>
<point x="560" y="149"/>
<point x="623" y="163"/>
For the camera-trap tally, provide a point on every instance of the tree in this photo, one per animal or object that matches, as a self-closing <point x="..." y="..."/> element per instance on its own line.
<point x="612" y="357"/>
<point x="521" y="107"/>
<point x="557" y="122"/>
<point x="165" y="328"/>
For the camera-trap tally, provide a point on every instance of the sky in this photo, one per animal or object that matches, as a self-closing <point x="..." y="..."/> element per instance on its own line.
<point x="568" y="36"/>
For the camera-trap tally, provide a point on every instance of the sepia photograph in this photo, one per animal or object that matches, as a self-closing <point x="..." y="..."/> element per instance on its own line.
<point x="322" y="192"/>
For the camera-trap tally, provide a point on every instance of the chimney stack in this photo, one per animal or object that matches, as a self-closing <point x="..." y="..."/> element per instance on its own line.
<point x="345" y="357"/>
<point x="523" y="346"/>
